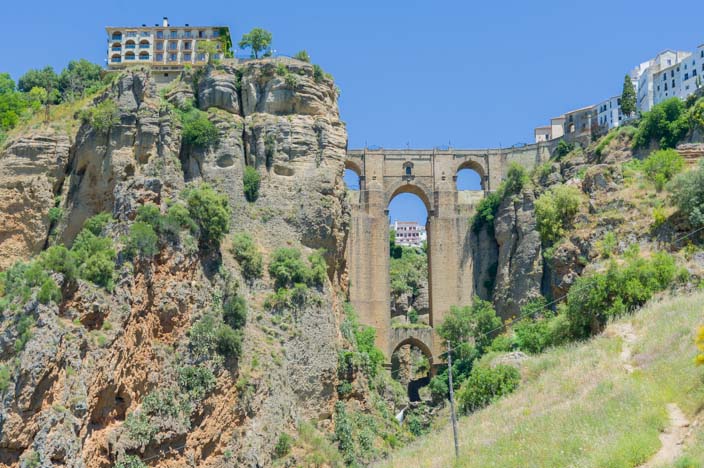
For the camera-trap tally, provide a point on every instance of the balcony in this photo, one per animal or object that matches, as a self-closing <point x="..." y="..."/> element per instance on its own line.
<point x="144" y="57"/>
<point x="116" y="49"/>
<point x="131" y="34"/>
<point x="130" y="46"/>
<point x="129" y="57"/>
<point x="115" y="60"/>
<point x="144" y="46"/>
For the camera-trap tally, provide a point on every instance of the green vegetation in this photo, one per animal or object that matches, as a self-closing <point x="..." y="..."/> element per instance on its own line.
<point x="516" y="179"/>
<point x="210" y="211"/>
<point x="662" y="165"/>
<point x="209" y="338"/>
<point x="130" y="461"/>
<point x="5" y="378"/>
<point x="302" y="55"/>
<point x="574" y="402"/>
<point x="251" y="183"/>
<point x="688" y="195"/>
<point x="283" y="445"/>
<point x="248" y="256"/>
<point x="258" y="40"/>
<point x="142" y="240"/>
<point x="555" y="211"/>
<point x="486" y="385"/>
<point x="139" y="428"/>
<point x="607" y="246"/>
<point x="562" y="149"/>
<point x="102" y="117"/>
<point x="666" y="124"/>
<point x="595" y="298"/>
<point x="408" y="270"/>
<point x="196" y="381"/>
<point x="198" y="130"/>
<point x="287" y="268"/>
<point x="628" y="97"/>
<point x="700" y="345"/>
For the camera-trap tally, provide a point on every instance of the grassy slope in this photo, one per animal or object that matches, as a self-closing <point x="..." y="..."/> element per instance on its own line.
<point x="578" y="407"/>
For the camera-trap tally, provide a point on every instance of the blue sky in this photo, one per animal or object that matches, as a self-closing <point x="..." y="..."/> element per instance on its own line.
<point x="418" y="73"/>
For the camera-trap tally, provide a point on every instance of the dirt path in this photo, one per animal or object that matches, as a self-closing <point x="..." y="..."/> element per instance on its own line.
<point x="628" y="335"/>
<point x="672" y="438"/>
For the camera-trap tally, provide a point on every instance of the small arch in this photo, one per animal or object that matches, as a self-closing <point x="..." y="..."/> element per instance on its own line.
<point x="116" y="45"/>
<point x="116" y="36"/>
<point x="129" y="56"/>
<point x="144" y="44"/>
<point x="408" y="372"/>
<point x="408" y="169"/>
<point x="352" y="175"/>
<point x="130" y="44"/>
<point x="418" y="343"/>
<point x="115" y="58"/>
<point x="470" y="176"/>
<point x="144" y="55"/>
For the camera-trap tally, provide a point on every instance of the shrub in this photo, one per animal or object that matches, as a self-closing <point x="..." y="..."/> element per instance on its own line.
<point x="478" y="321"/>
<point x="251" y="183"/>
<point x="555" y="211"/>
<point x="502" y="344"/>
<point x="248" y="256"/>
<point x="318" y="73"/>
<point x="139" y="428"/>
<point x="278" y="301"/>
<point x="198" y="130"/>
<point x="607" y="246"/>
<point x="318" y="269"/>
<point x="162" y="402"/>
<point x="563" y="149"/>
<point x="203" y="338"/>
<point x="5" y="378"/>
<point x="229" y="341"/>
<point x="142" y="240"/>
<point x="535" y="336"/>
<point x="688" y="195"/>
<point x="196" y="381"/>
<point x="49" y="292"/>
<point x="595" y="298"/>
<point x="59" y="259"/>
<point x="55" y="214"/>
<point x="516" y="179"/>
<point x="287" y="267"/>
<point x="486" y="385"/>
<point x="234" y="312"/>
<point x="97" y="223"/>
<point x="662" y="165"/>
<point x="24" y="331"/>
<point x="211" y="213"/>
<point x="302" y="55"/>
<point x="667" y="123"/>
<point x="283" y="445"/>
<point x="486" y="212"/>
<point x="130" y="461"/>
<point x="102" y="117"/>
<point x="150" y="214"/>
<point x="659" y="217"/>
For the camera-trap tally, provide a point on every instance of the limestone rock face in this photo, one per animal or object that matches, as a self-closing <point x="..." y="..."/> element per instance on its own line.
<point x="32" y="170"/>
<point x="520" y="264"/>
<point x="485" y="253"/>
<point x="601" y="177"/>
<point x="565" y="268"/>
<point x="91" y="361"/>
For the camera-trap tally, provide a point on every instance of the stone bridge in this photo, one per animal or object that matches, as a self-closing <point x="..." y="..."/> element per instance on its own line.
<point x="431" y="175"/>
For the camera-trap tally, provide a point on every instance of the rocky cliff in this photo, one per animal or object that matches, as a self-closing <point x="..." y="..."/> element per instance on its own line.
<point x="94" y="359"/>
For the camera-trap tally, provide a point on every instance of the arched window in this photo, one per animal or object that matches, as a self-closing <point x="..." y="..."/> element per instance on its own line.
<point x="143" y="44"/>
<point x="144" y="55"/>
<point x="116" y="36"/>
<point x="408" y="169"/>
<point x="130" y="44"/>
<point x="115" y="58"/>
<point x="129" y="56"/>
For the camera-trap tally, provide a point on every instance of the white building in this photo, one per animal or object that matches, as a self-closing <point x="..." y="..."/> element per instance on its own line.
<point x="163" y="47"/>
<point x="681" y="79"/>
<point x="409" y="233"/>
<point x="609" y="113"/>
<point x="647" y="83"/>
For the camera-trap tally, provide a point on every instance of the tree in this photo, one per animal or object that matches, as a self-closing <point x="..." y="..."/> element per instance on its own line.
<point x="478" y="321"/>
<point x="628" y="97"/>
<point x="211" y="212"/>
<point x="7" y="84"/>
<point x="45" y="78"/>
<point x="210" y="48"/>
<point x="251" y="183"/>
<point x="257" y="40"/>
<point x="555" y="211"/>
<point x="77" y="77"/>
<point x="303" y="56"/>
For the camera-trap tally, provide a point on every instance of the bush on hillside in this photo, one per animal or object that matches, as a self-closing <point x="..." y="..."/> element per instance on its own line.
<point x="211" y="213"/>
<point x="59" y="259"/>
<point x="535" y="336"/>
<point x="97" y="223"/>
<point x="478" y="322"/>
<point x="102" y="117"/>
<point x="303" y="56"/>
<point x="251" y="183"/>
<point x="248" y="256"/>
<point x="49" y="292"/>
<point x="555" y="211"/>
<point x="688" y="194"/>
<point x="234" y="312"/>
<point x="595" y="298"/>
<point x="142" y="240"/>
<point x="287" y="268"/>
<point x="198" y="130"/>
<point x="662" y="165"/>
<point x="666" y="124"/>
<point x="485" y="385"/>
<point x="562" y="149"/>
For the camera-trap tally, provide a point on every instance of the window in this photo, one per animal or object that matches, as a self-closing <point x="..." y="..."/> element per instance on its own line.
<point x="187" y="57"/>
<point x="664" y="77"/>
<point x="160" y="34"/>
<point x="187" y="45"/>
<point x="159" y="57"/>
<point x="173" y="45"/>
<point x="201" y="57"/>
<point x="694" y="72"/>
<point x="686" y="76"/>
<point x="187" y="34"/>
<point x="672" y="73"/>
<point x="117" y="36"/>
<point x="665" y="86"/>
<point x="173" y="57"/>
<point x="673" y="83"/>
<point x="201" y="34"/>
<point x="216" y="33"/>
<point x="159" y="46"/>
<point x="173" y="34"/>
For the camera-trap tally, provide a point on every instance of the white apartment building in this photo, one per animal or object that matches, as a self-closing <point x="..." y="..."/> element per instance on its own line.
<point x="609" y="113"/>
<point x="647" y="86"/>
<point x="163" y="47"/>
<point x="681" y="79"/>
<point x="409" y="233"/>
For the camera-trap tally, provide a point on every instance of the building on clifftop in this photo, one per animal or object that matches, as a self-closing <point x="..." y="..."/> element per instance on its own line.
<point x="165" y="48"/>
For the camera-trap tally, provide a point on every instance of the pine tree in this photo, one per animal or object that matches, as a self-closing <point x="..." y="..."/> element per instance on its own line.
<point x="628" y="97"/>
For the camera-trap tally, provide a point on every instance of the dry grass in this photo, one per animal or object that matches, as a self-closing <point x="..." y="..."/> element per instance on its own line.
<point x="578" y="407"/>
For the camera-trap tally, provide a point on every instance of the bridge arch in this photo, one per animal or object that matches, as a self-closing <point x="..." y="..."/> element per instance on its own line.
<point x="417" y="189"/>
<point x="475" y="166"/>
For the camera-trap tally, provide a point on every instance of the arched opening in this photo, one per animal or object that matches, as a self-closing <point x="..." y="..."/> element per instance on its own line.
<point x="409" y="279"/>
<point x="115" y="58"/>
<point x="129" y="56"/>
<point x="116" y="36"/>
<point x="144" y="55"/>
<point x="116" y="47"/>
<point x="352" y="176"/>
<point x="411" y="366"/>
<point x="469" y="177"/>
<point x="130" y="44"/>
<point x="144" y="44"/>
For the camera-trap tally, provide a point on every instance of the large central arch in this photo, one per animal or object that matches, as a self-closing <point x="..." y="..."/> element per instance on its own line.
<point x="431" y="175"/>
